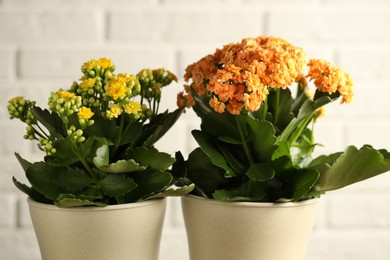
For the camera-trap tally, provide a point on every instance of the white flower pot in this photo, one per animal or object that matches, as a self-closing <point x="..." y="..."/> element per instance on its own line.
<point x="247" y="230"/>
<point x="127" y="231"/>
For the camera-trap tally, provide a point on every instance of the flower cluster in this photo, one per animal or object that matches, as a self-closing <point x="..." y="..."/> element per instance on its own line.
<point x="241" y="75"/>
<point x="98" y="137"/>
<point x="256" y="137"/>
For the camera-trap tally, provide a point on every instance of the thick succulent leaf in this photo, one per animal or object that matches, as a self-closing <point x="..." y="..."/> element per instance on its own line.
<point x="353" y="166"/>
<point x="102" y="127"/>
<point x="116" y="185"/>
<point x="302" y="183"/>
<point x="122" y="166"/>
<point x="214" y="123"/>
<point x="260" y="172"/>
<point x="283" y="114"/>
<point x="149" y="182"/>
<point x="159" y="126"/>
<point x="51" y="121"/>
<point x="24" y="163"/>
<point x="52" y="181"/>
<point x="179" y="169"/>
<point x="296" y="126"/>
<point x="69" y="200"/>
<point x="261" y="137"/>
<point x="174" y="191"/>
<point x="150" y="157"/>
<point x="32" y="193"/>
<point x="102" y="156"/>
<point x="249" y="191"/>
<point x="44" y="178"/>
<point x="206" y="176"/>
<point x="130" y="133"/>
<point x="208" y="145"/>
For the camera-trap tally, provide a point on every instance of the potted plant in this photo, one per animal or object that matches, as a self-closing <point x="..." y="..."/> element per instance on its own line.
<point x="99" y="191"/>
<point x="257" y="184"/>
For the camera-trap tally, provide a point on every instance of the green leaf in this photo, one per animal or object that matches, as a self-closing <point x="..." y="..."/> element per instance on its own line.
<point x="102" y="156"/>
<point x="116" y="185"/>
<point x="206" y="176"/>
<point x="69" y="200"/>
<point x="262" y="138"/>
<point x="158" y="127"/>
<point x="44" y="178"/>
<point x="302" y="182"/>
<point x="353" y="166"/>
<point x="214" y="123"/>
<point x="150" y="157"/>
<point x="102" y="127"/>
<point x="207" y="144"/>
<point x="179" y="169"/>
<point x="282" y="150"/>
<point x="280" y="104"/>
<point x="24" y="163"/>
<point x="122" y="166"/>
<point x="149" y="182"/>
<point x="64" y="151"/>
<point x="260" y="172"/>
<point x="32" y="193"/>
<point x="131" y="132"/>
<point x="296" y="126"/>
<point x="177" y="191"/>
<point x="74" y="179"/>
<point x="249" y="191"/>
<point x="51" y="121"/>
<point x="52" y="180"/>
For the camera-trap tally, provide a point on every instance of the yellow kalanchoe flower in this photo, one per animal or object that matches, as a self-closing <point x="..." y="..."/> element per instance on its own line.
<point x="116" y="89"/>
<point x="65" y="94"/>
<point x="85" y="113"/>
<point x="114" y="111"/>
<point x="104" y="63"/>
<point x="88" y="83"/>
<point x="132" y="107"/>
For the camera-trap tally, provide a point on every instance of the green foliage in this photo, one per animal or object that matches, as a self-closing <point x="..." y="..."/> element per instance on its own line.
<point x="99" y="143"/>
<point x="252" y="157"/>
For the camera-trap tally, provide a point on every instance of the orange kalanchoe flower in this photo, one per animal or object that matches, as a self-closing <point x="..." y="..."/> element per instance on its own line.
<point x="240" y="75"/>
<point x="329" y="78"/>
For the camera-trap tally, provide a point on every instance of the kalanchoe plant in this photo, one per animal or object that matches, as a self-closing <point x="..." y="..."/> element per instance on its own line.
<point x="98" y="137"/>
<point x="256" y="136"/>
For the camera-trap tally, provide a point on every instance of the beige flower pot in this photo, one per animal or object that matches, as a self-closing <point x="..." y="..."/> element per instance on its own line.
<point x="245" y="230"/>
<point x="127" y="231"/>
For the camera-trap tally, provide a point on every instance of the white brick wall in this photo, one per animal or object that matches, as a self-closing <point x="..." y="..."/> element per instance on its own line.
<point x="44" y="42"/>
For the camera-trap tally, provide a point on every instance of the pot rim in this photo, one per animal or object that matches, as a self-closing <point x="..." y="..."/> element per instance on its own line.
<point x="53" y="207"/>
<point x="250" y="204"/>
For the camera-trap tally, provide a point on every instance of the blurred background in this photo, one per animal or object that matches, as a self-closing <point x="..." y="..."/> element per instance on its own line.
<point x="43" y="43"/>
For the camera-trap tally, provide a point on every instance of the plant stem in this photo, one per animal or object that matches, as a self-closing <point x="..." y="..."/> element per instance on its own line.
<point x="264" y="110"/>
<point x="76" y="151"/>
<point x="277" y="104"/>
<point x="244" y="143"/>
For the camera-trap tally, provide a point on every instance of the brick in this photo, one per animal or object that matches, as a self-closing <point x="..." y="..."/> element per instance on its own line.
<point x="63" y="63"/>
<point x="358" y="2"/>
<point x="8" y="211"/>
<point x="356" y="245"/>
<point x="23" y="212"/>
<point x="88" y="3"/>
<point x="19" y="245"/>
<point x="330" y="25"/>
<point x="373" y="133"/>
<point x="363" y="210"/>
<point x="13" y="131"/>
<point x="190" y="25"/>
<point x="371" y="62"/>
<point x="7" y="67"/>
<point x="48" y="26"/>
